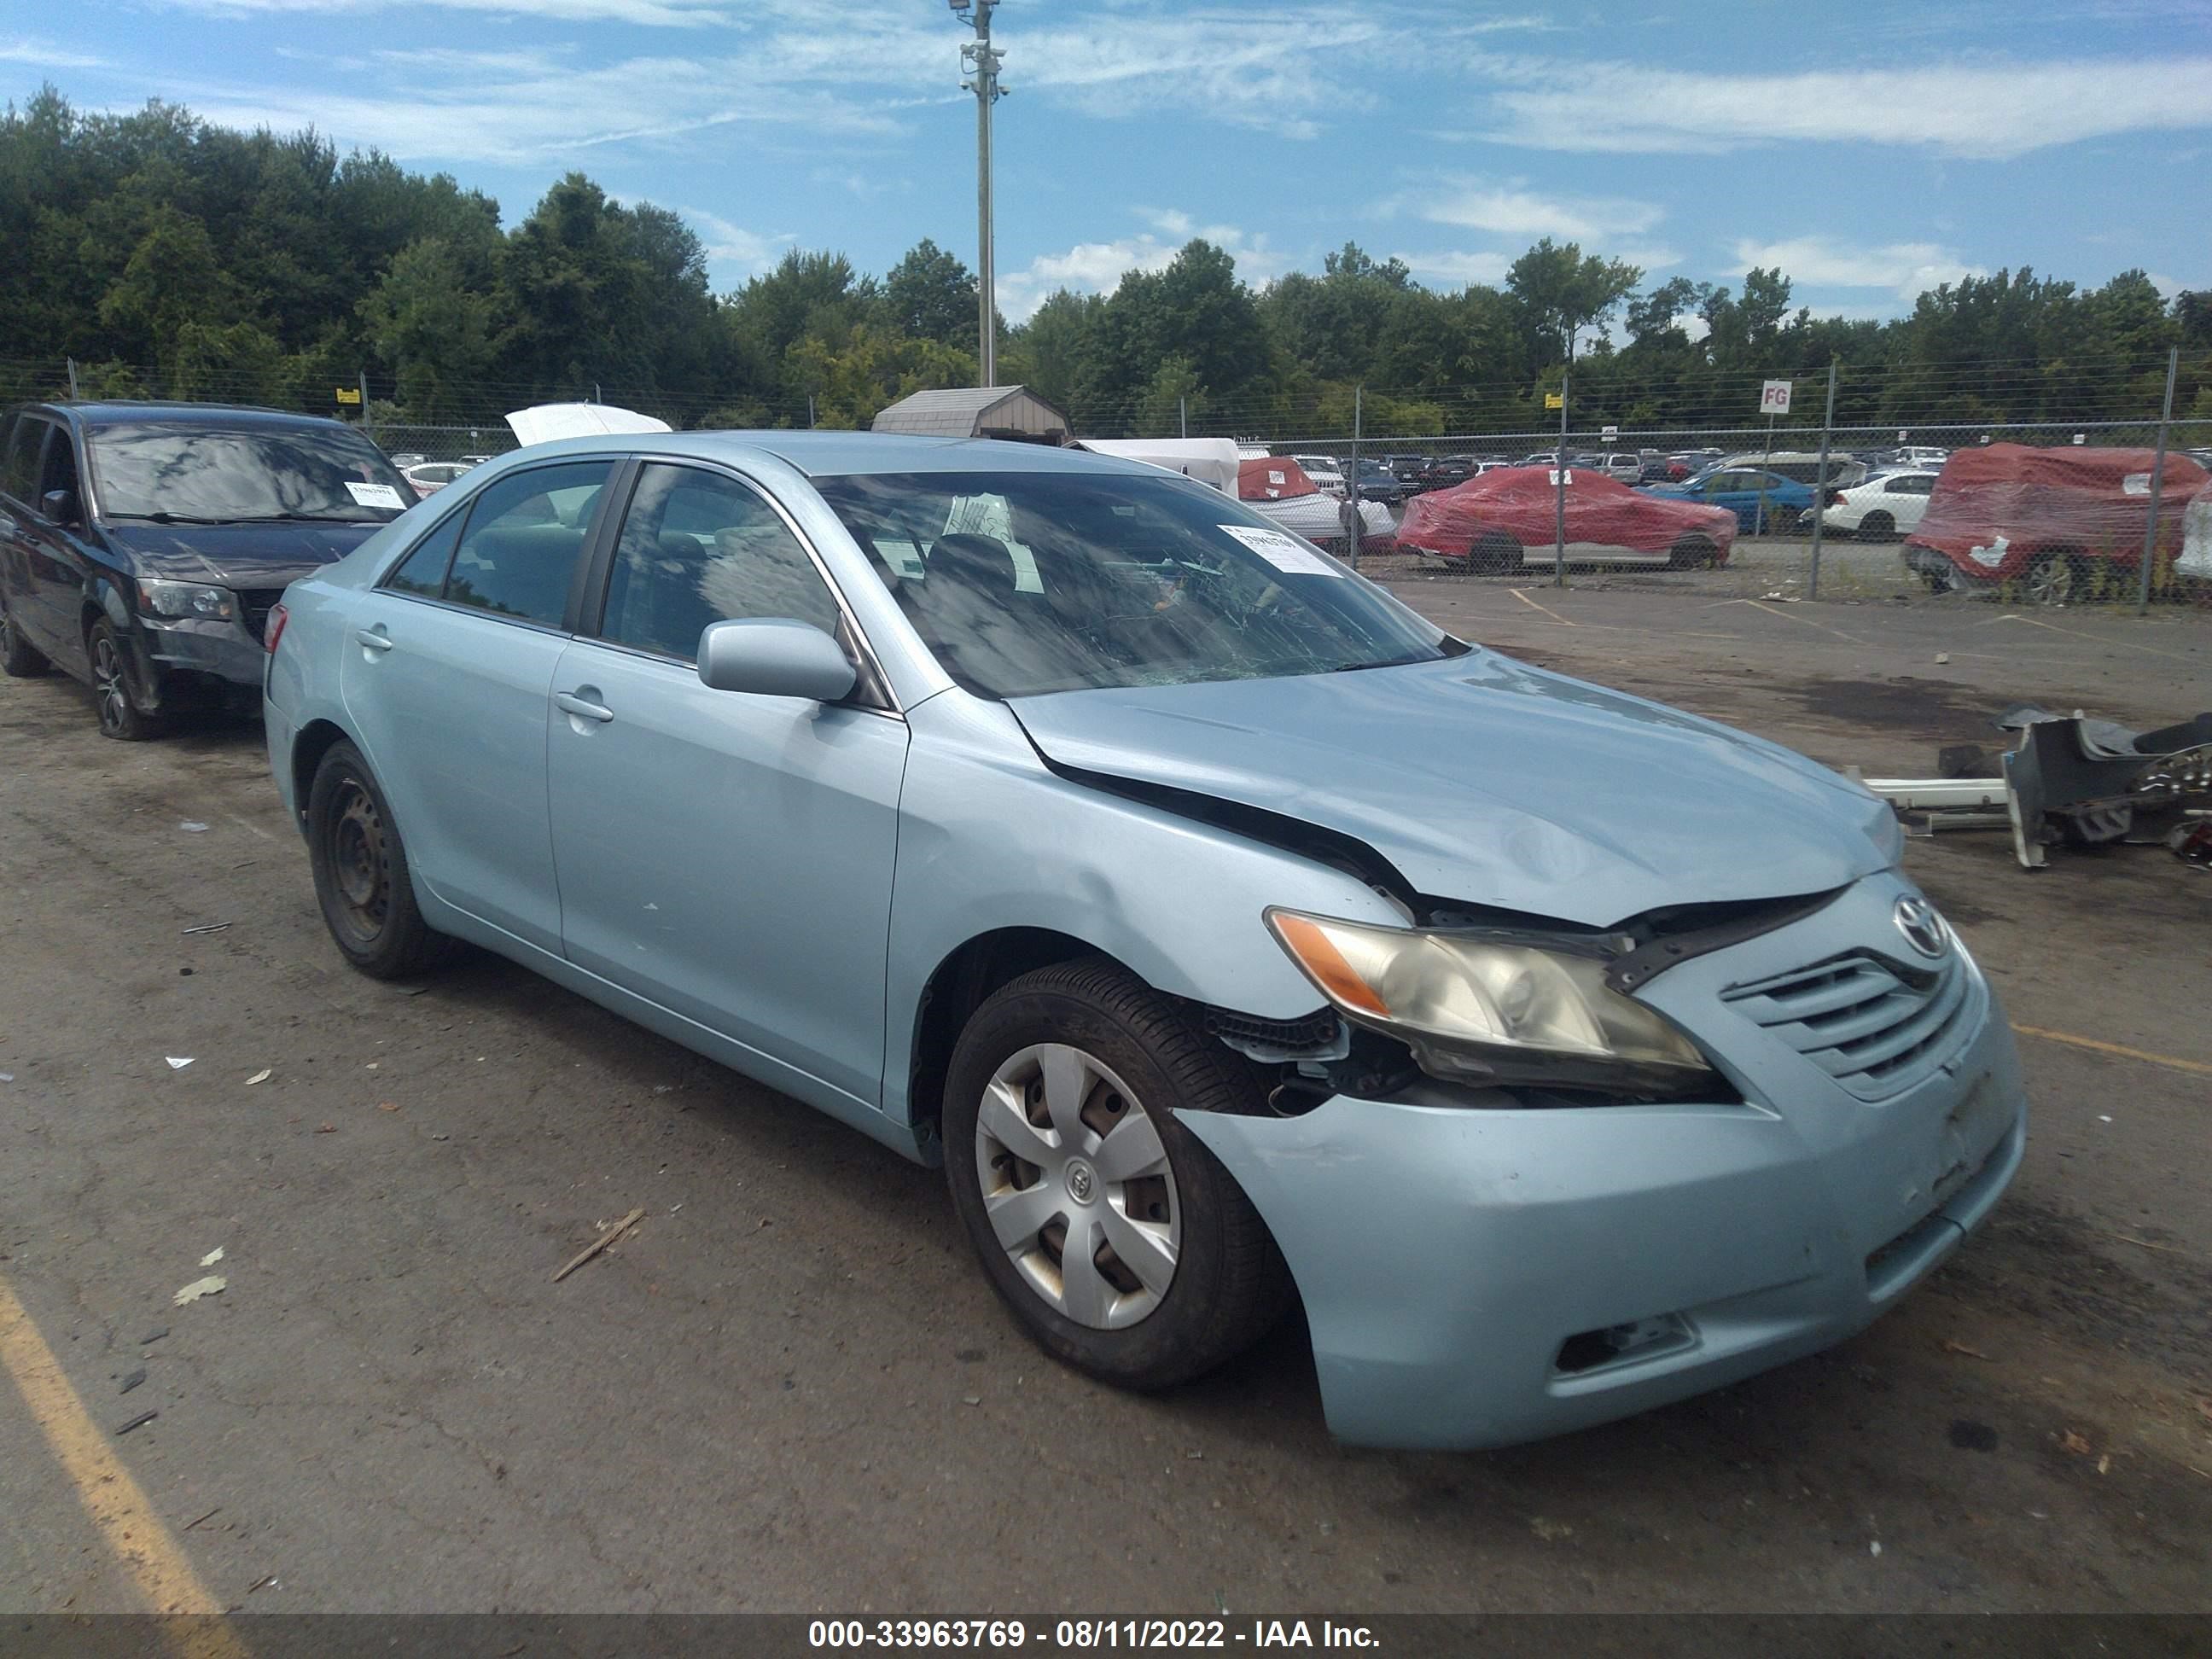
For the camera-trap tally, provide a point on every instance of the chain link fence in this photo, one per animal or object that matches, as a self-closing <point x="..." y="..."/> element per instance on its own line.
<point x="1859" y="554"/>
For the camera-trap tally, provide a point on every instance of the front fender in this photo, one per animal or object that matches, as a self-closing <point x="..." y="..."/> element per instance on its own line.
<point x="990" y="838"/>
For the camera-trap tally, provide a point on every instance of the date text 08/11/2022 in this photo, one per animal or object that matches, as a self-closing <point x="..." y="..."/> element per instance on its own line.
<point x="1080" y="1635"/>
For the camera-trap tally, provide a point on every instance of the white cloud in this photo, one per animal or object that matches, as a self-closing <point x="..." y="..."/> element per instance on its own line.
<point x="1099" y="267"/>
<point x="731" y="248"/>
<point x="1460" y="268"/>
<point x="545" y="111"/>
<point x="1988" y="109"/>
<point x="1909" y="269"/>
<point x="25" y="49"/>
<point x="651" y="14"/>
<point x="1512" y="209"/>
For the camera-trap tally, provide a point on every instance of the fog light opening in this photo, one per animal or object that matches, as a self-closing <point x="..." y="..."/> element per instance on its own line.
<point x="1590" y="1350"/>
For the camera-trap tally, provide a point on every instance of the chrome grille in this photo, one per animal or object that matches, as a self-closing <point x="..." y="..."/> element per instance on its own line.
<point x="1860" y="1021"/>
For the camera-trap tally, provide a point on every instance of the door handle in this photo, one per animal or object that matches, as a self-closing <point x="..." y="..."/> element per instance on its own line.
<point x="372" y="640"/>
<point x="574" y="702"/>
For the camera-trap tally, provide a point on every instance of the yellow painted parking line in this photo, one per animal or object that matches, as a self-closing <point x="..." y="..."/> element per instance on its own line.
<point x="2148" y="1058"/>
<point x="1546" y="609"/>
<point x="118" y="1507"/>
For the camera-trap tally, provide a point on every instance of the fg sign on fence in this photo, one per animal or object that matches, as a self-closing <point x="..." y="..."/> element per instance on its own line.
<point x="1774" y="397"/>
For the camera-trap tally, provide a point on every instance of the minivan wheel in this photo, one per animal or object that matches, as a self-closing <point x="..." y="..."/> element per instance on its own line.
<point x="1117" y="1239"/>
<point x="113" y="697"/>
<point x="19" y="657"/>
<point x="361" y="879"/>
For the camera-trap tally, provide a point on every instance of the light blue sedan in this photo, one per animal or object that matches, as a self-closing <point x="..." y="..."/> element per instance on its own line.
<point x="1227" y="931"/>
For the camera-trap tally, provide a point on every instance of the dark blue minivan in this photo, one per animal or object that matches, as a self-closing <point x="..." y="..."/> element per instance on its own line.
<point x="142" y="544"/>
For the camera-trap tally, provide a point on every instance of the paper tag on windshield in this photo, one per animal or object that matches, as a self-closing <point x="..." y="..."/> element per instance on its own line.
<point x="1287" y="553"/>
<point x="374" y="494"/>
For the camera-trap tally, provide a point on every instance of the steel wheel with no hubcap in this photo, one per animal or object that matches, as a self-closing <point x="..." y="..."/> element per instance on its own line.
<point x="358" y="861"/>
<point x="1077" y="1188"/>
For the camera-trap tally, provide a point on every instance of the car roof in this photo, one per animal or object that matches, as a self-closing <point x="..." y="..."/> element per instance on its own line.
<point x="116" y="413"/>
<point x="838" y="454"/>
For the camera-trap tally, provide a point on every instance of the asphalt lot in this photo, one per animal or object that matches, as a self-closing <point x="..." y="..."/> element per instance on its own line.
<point x="791" y="1390"/>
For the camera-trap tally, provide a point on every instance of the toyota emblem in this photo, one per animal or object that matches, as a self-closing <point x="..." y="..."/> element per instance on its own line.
<point x="1925" y="930"/>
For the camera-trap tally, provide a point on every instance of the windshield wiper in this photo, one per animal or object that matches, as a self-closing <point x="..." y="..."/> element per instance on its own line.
<point x="301" y="518"/>
<point x="164" y="516"/>
<point x="1388" y="662"/>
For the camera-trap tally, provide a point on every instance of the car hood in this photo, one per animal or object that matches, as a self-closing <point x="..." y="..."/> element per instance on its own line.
<point x="1490" y="783"/>
<point x="243" y="555"/>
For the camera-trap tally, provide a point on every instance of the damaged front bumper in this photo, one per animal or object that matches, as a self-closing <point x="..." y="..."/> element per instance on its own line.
<point x="1478" y="1277"/>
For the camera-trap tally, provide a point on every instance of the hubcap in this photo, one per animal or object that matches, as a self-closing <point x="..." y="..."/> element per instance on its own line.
<point x="360" y="865"/>
<point x="109" y="684"/>
<point x="2052" y="581"/>
<point x="1077" y="1186"/>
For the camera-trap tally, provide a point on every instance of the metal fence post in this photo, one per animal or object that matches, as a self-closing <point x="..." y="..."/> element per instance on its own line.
<point x="72" y="378"/>
<point x="2157" y="485"/>
<point x="1351" y="482"/>
<point x="367" y="424"/>
<point x="1560" y="480"/>
<point x="1182" y="414"/>
<point x="1820" y="482"/>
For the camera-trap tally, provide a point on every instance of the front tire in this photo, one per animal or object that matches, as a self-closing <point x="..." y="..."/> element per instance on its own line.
<point x="1114" y="1236"/>
<point x="114" y="695"/>
<point x="1877" y="527"/>
<point x="1693" y="553"/>
<point x="363" y="881"/>
<point x="2055" y="579"/>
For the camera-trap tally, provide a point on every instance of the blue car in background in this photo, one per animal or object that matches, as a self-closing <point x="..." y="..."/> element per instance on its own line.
<point x="1741" y="490"/>
<point x="1230" y="934"/>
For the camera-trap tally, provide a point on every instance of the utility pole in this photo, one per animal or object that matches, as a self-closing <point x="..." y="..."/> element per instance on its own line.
<point x="1559" y="472"/>
<point x="2157" y="486"/>
<point x="981" y="60"/>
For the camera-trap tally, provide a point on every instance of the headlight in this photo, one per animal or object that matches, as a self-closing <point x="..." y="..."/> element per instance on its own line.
<point x="1472" y="1007"/>
<point x="186" y="599"/>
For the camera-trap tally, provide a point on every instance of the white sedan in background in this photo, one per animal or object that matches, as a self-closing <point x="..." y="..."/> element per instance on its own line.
<point x="1882" y="509"/>
<point x="428" y="477"/>
<point x="1326" y="470"/>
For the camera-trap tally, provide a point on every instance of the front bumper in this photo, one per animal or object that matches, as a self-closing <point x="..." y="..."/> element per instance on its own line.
<point x="200" y="646"/>
<point x="1467" y="1272"/>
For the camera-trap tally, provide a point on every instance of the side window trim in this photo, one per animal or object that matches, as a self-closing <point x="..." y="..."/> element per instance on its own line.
<point x="872" y="692"/>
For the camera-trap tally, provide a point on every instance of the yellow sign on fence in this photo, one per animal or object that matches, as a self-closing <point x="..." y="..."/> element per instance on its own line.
<point x="1555" y="400"/>
<point x="349" y="394"/>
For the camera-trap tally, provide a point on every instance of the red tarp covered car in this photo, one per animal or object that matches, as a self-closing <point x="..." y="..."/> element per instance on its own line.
<point x="1506" y="518"/>
<point x="2061" y="522"/>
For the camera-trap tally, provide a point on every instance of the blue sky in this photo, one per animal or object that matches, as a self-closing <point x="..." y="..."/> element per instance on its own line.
<point x="1870" y="149"/>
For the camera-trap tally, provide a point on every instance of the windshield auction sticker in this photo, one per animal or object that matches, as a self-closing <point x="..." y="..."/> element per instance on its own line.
<point x="1287" y="553"/>
<point x="375" y="495"/>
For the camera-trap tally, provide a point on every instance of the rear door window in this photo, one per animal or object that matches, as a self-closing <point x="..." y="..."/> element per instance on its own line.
<point x="524" y="535"/>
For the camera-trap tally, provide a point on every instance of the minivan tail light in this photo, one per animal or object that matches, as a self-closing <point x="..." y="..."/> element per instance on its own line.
<point x="273" y="629"/>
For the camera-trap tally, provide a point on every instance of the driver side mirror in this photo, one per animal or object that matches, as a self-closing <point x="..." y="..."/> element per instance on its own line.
<point x="59" y="506"/>
<point x="775" y="657"/>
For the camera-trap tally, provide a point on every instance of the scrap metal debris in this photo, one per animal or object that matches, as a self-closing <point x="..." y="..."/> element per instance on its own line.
<point x="138" y="1422"/>
<point x="206" y="927"/>
<point x="600" y="1244"/>
<point x="178" y="1062"/>
<point x="2074" y="780"/>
